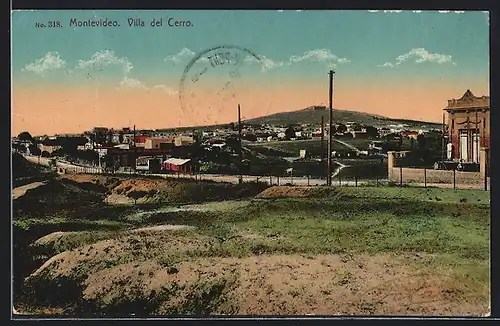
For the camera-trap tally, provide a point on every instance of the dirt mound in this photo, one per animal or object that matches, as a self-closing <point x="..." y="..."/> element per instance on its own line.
<point x="286" y="191"/>
<point x="126" y="190"/>
<point x="50" y="238"/>
<point x="167" y="227"/>
<point x="66" y="197"/>
<point x="260" y="285"/>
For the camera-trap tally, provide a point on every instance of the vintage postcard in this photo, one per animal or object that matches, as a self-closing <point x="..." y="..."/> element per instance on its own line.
<point x="262" y="162"/>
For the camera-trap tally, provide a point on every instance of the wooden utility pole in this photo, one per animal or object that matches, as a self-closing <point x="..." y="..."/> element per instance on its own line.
<point x="329" y="173"/>
<point x="134" y="157"/>
<point x="323" y="143"/>
<point x="240" y="153"/>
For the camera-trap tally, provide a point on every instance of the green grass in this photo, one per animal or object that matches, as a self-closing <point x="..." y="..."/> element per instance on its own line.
<point x="443" y="195"/>
<point x="449" y="228"/>
<point x="364" y="219"/>
<point x="293" y="147"/>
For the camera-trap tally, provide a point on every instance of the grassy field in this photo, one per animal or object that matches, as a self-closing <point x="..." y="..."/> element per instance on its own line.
<point x="292" y="148"/>
<point x="364" y="250"/>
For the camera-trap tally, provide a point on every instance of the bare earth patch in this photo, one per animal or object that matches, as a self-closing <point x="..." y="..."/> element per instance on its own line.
<point x="166" y="227"/>
<point x="50" y="238"/>
<point x="330" y="284"/>
<point x="283" y="191"/>
<point x="21" y="191"/>
<point x="287" y="284"/>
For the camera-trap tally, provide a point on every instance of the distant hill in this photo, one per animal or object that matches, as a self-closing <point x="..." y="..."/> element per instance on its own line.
<point x="312" y="115"/>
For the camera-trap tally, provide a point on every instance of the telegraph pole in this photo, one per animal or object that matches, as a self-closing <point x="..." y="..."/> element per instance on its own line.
<point x="240" y="154"/>
<point x="329" y="175"/>
<point x="323" y="143"/>
<point x="135" y="153"/>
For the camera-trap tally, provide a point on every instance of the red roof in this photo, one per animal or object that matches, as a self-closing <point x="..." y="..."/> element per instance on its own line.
<point x="140" y="139"/>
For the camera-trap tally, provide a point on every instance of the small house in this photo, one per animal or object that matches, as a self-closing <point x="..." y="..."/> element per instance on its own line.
<point x="177" y="165"/>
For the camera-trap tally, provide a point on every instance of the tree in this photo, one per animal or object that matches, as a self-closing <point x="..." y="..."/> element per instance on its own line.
<point x="25" y="136"/>
<point x="356" y="127"/>
<point x="136" y="194"/>
<point x="109" y="137"/>
<point x="341" y="128"/>
<point x="371" y="132"/>
<point x="422" y="142"/>
<point x="290" y="133"/>
<point x="233" y="143"/>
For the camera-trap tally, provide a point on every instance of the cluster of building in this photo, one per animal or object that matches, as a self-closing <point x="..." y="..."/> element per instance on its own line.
<point x="466" y="131"/>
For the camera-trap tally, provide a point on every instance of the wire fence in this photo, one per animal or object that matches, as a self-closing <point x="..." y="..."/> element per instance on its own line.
<point x="430" y="177"/>
<point x="397" y="176"/>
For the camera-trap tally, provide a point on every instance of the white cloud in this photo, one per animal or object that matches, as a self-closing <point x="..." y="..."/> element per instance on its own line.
<point x="182" y="56"/>
<point x="132" y="83"/>
<point x="179" y="57"/>
<point x="165" y="89"/>
<point x="267" y="64"/>
<point x="421" y="55"/>
<point x="373" y="10"/>
<point x="50" y="61"/>
<point x="387" y="64"/>
<point x="417" y="11"/>
<point x="459" y="12"/>
<point x="106" y="58"/>
<point x="319" y="55"/>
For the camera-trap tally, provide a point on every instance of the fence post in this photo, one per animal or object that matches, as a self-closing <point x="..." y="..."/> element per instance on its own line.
<point x="308" y="180"/>
<point x="376" y="180"/>
<point x="356" y="181"/>
<point x="454" y="179"/>
<point x="278" y="180"/>
<point x="340" y="180"/>
<point x="425" y="177"/>
<point x="401" y="176"/>
<point x="270" y="180"/>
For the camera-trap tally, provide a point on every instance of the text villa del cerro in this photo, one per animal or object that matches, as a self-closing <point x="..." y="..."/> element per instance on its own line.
<point x="105" y="22"/>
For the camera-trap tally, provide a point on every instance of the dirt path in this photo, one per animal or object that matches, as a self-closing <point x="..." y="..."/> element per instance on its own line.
<point x="347" y="145"/>
<point x="20" y="191"/>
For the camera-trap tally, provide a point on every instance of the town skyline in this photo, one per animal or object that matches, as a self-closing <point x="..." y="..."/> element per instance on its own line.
<point x="78" y="78"/>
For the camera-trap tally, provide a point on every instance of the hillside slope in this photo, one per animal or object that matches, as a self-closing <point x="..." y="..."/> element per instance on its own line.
<point x="312" y="115"/>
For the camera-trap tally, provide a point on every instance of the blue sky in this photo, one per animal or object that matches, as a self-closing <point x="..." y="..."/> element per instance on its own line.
<point x="355" y="43"/>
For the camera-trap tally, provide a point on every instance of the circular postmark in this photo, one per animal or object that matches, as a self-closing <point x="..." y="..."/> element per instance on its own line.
<point x="219" y="79"/>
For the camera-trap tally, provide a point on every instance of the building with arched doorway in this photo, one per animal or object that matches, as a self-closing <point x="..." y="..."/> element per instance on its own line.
<point x="468" y="127"/>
